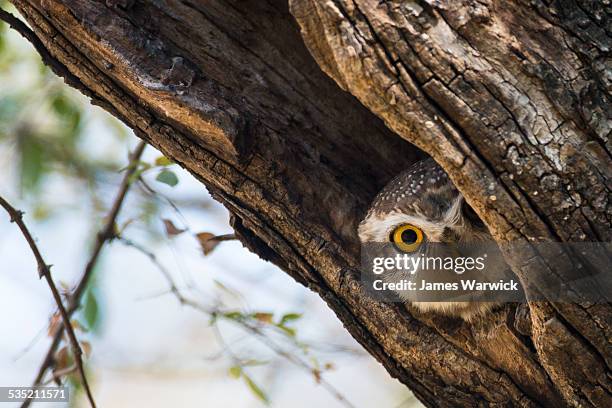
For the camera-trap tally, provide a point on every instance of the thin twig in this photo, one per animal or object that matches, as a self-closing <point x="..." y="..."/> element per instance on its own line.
<point x="56" y="375"/>
<point x="153" y="258"/>
<point x="44" y="329"/>
<point x="226" y="237"/>
<point x="44" y="271"/>
<point x="105" y="234"/>
<point x="155" y="194"/>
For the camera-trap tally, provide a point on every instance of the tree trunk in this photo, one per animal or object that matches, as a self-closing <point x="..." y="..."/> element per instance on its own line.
<point x="510" y="97"/>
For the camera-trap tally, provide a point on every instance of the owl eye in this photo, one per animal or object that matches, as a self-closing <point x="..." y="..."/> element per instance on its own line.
<point x="407" y="238"/>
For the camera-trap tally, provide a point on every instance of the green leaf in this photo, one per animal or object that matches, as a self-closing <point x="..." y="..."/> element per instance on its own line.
<point x="289" y="317"/>
<point x="2" y="35"/>
<point x="252" y="363"/>
<point x="163" y="161"/>
<point x="10" y="105"/>
<point x="255" y="388"/>
<point x="139" y="167"/>
<point x="91" y="309"/>
<point x="288" y="330"/>
<point x="41" y="212"/>
<point x="233" y="315"/>
<point x="33" y="161"/>
<point x="235" y="371"/>
<point x="69" y="112"/>
<point x="167" y="177"/>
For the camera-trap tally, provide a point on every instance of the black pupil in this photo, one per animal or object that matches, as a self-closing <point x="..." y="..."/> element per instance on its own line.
<point x="409" y="236"/>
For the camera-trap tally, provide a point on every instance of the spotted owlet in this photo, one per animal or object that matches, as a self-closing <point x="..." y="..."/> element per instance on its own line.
<point x="419" y="207"/>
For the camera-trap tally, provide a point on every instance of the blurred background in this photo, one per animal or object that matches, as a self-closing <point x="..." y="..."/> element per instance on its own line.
<point x="248" y="336"/>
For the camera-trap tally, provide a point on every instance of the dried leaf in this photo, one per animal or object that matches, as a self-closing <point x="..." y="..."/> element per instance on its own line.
<point x="317" y="375"/>
<point x="171" y="229"/>
<point x="124" y="226"/>
<point x="62" y="358"/>
<point x="263" y="317"/>
<point x="86" y="347"/>
<point x="329" y="366"/>
<point x="54" y="324"/>
<point x="207" y="242"/>
<point x="77" y="326"/>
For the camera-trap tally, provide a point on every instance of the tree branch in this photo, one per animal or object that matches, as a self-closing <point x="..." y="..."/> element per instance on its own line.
<point x="105" y="234"/>
<point x="45" y="271"/>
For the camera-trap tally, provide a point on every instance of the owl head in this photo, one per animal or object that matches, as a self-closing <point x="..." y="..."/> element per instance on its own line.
<point x="421" y="212"/>
<point x="421" y="205"/>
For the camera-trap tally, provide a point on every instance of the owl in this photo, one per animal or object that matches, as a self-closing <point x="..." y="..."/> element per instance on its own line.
<point x="420" y="208"/>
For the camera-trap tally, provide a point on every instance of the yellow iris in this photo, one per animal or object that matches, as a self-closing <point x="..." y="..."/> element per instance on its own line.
<point x="407" y="238"/>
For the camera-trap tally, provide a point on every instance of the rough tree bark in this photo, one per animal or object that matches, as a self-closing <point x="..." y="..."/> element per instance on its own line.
<point x="295" y="115"/>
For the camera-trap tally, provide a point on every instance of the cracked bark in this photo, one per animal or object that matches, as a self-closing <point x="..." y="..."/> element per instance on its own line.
<point x="510" y="97"/>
